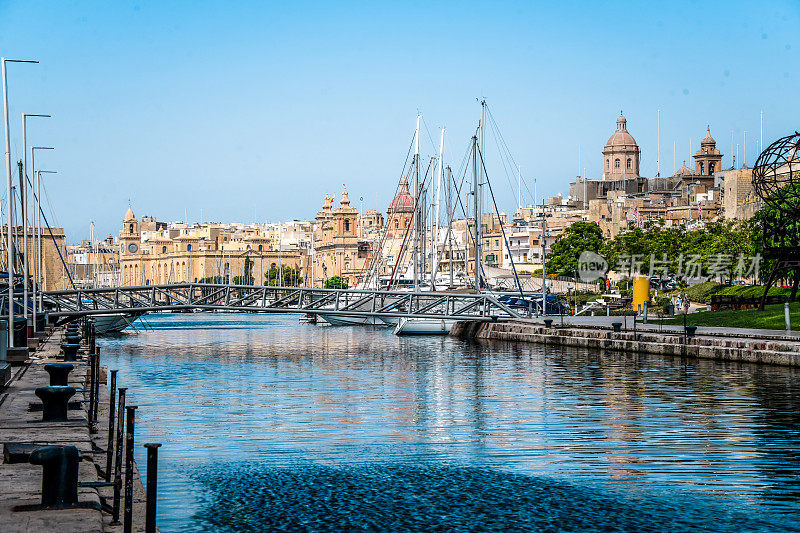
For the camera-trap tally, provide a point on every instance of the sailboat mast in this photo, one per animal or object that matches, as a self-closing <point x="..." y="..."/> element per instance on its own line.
<point x="415" y="259"/>
<point x="450" y="226"/>
<point x="435" y="229"/>
<point x="477" y="214"/>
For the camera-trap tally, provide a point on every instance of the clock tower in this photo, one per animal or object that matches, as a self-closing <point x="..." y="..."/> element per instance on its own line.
<point x="129" y="236"/>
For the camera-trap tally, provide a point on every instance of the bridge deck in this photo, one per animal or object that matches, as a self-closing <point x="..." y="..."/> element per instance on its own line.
<point x="248" y="298"/>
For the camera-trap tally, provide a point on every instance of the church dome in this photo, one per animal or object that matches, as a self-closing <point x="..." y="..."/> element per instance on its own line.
<point x="129" y="216"/>
<point x="621" y="137"/>
<point x="403" y="202"/>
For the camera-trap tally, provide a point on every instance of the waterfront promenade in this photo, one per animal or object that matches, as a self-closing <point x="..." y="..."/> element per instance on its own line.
<point x="21" y="482"/>
<point x="725" y="344"/>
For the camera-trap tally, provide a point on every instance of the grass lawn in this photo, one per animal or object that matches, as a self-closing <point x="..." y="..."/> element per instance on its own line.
<point x="770" y="318"/>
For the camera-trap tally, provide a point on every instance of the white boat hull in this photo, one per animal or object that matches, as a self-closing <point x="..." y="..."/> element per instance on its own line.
<point x="342" y="320"/>
<point x="114" y="323"/>
<point x="423" y="326"/>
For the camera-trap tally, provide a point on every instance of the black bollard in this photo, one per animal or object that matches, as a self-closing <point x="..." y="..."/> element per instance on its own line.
<point x="92" y="377"/>
<point x="55" y="401"/>
<point x="118" y="458"/>
<point x="690" y="331"/>
<point x="59" y="474"/>
<point x="548" y="322"/>
<point x="111" y="405"/>
<point x="70" y="351"/>
<point x="96" y="381"/>
<point x="152" y="486"/>
<point x="127" y="518"/>
<point x="617" y="326"/>
<point x="59" y="373"/>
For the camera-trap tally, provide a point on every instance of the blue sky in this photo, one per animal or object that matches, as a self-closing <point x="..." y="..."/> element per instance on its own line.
<point x="236" y="108"/>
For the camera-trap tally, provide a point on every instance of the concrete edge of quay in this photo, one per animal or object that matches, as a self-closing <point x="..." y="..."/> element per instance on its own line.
<point x="771" y="350"/>
<point x="21" y="482"/>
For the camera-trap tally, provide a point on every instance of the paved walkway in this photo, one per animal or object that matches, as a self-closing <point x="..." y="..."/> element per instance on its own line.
<point x="21" y="484"/>
<point x="606" y="321"/>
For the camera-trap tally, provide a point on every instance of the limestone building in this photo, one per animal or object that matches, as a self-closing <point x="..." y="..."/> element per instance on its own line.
<point x="621" y="154"/>
<point x="215" y="253"/>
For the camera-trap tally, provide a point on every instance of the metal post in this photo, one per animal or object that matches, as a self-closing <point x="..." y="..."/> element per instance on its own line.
<point x="152" y="485"/>
<point x="10" y="257"/>
<point x="111" y="406"/>
<point x="127" y="518"/>
<point x="787" y="317"/>
<point x="92" y="378"/>
<point x="96" y="382"/>
<point x="118" y="454"/>
<point x="10" y="264"/>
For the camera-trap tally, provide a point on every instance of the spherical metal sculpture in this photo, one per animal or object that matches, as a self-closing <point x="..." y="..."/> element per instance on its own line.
<point x="776" y="174"/>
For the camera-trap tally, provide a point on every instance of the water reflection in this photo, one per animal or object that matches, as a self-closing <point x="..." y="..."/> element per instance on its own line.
<point x="245" y="400"/>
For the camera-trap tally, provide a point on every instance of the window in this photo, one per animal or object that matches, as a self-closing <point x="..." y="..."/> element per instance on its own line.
<point x="347" y="224"/>
<point x="396" y="224"/>
<point x="163" y="249"/>
<point x="711" y="168"/>
<point x="496" y="243"/>
<point x="260" y="247"/>
<point x="131" y="229"/>
<point x="608" y="164"/>
<point x="188" y="247"/>
<point x="616" y="163"/>
<point x="702" y="168"/>
<point x="628" y="164"/>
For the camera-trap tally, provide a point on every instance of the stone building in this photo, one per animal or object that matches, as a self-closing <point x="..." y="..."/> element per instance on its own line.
<point x="337" y="250"/>
<point x="621" y="154"/>
<point x="54" y="254"/>
<point x="215" y="253"/>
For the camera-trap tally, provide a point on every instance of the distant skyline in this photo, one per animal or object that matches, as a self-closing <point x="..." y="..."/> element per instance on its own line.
<point x="265" y="107"/>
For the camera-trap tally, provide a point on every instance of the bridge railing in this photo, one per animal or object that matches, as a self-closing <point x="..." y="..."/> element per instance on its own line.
<point x="206" y="296"/>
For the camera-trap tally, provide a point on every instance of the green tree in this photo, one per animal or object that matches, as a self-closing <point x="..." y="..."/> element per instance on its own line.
<point x="288" y="277"/>
<point x="577" y="238"/>
<point x="335" y="283"/>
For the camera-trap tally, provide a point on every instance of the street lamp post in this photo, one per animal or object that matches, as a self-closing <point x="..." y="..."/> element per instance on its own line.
<point x="24" y="199"/>
<point x="10" y="265"/>
<point x="39" y="255"/>
<point x="37" y="283"/>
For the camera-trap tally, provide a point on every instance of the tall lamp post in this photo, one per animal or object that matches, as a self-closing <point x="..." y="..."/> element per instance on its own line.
<point x="37" y="277"/>
<point x="10" y="265"/>
<point x="24" y="199"/>
<point x="39" y="255"/>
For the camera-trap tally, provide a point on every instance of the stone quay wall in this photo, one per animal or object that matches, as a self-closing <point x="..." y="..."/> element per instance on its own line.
<point x="741" y="348"/>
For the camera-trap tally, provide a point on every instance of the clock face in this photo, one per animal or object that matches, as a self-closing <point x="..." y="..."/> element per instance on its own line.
<point x="133" y="247"/>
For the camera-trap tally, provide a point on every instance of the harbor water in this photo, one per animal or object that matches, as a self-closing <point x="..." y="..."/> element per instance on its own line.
<point x="269" y="424"/>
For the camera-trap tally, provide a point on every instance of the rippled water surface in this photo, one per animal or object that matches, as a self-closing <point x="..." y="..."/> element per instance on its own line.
<point x="269" y="424"/>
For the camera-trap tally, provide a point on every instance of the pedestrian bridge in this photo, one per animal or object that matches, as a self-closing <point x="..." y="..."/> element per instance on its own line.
<point x="70" y="304"/>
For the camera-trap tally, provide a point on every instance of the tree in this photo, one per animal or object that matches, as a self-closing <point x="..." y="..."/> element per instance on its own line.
<point x="288" y="277"/>
<point x="335" y="283"/>
<point x="247" y="278"/>
<point x="577" y="238"/>
<point x="775" y="226"/>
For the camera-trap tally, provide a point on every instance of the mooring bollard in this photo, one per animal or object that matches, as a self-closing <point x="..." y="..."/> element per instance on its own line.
<point x="617" y="326"/>
<point x="152" y="486"/>
<point x="127" y="519"/>
<point x="59" y="474"/>
<point x="70" y="351"/>
<point x="55" y="401"/>
<point x="118" y="457"/>
<point x="59" y="373"/>
<point x="548" y="322"/>
<point x="690" y="331"/>
<point x="112" y="396"/>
